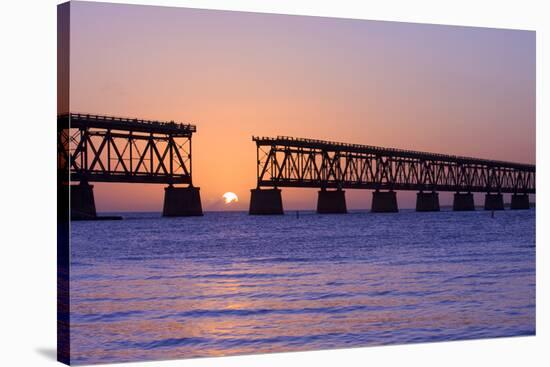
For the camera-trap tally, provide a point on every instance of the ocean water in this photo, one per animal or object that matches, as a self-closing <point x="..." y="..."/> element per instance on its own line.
<point x="227" y="283"/>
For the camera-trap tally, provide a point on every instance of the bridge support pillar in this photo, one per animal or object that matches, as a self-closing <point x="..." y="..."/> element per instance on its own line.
<point x="519" y="201"/>
<point x="427" y="202"/>
<point x="384" y="202"/>
<point x="331" y="202"/>
<point x="494" y="202"/>
<point x="267" y="201"/>
<point x="182" y="202"/>
<point x="82" y="201"/>
<point x="463" y="202"/>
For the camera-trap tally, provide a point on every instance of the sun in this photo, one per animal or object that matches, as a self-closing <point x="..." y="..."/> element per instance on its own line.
<point x="230" y="197"/>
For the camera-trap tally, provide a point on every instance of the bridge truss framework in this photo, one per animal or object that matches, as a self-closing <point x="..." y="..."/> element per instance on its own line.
<point x="296" y="162"/>
<point x="113" y="149"/>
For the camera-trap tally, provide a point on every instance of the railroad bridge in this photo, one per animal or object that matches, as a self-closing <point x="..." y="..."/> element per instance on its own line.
<point x="98" y="148"/>
<point x="332" y="167"/>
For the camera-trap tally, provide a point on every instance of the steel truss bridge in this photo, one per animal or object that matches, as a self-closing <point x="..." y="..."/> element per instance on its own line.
<point x="296" y="162"/>
<point x="114" y="149"/>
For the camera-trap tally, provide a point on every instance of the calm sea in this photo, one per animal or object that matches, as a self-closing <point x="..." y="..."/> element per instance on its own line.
<point x="227" y="283"/>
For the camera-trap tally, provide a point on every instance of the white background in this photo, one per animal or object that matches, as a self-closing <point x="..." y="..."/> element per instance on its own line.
<point x="27" y="180"/>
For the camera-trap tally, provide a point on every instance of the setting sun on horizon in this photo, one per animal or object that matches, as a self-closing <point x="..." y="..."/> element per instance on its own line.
<point x="230" y="197"/>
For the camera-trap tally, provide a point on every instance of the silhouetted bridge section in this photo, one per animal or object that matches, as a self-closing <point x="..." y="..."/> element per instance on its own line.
<point x="99" y="148"/>
<point x="332" y="167"/>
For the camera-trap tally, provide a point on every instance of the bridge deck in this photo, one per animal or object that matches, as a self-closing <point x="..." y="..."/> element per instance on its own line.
<point x="80" y="120"/>
<point x="394" y="152"/>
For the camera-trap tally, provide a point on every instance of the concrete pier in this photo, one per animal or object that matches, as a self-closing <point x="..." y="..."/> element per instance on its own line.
<point x="494" y="202"/>
<point x="182" y="202"/>
<point x="463" y="202"/>
<point x="331" y="202"/>
<point x="384" y="202"/>
<point x="427" y="202"/>
<point x="519" y="201"/>
<point x="265" y="202"/>
<point x="82" y="202"/>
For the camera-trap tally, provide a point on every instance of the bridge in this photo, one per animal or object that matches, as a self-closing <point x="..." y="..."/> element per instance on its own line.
<point x="99" y="148"/>
<point x="332" y="167"/>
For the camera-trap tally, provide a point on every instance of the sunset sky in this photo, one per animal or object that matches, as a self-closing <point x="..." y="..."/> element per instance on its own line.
<point x="455" y="90"/>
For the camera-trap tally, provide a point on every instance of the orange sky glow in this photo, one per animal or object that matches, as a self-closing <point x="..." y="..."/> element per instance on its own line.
<point x="455" y="90"/>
